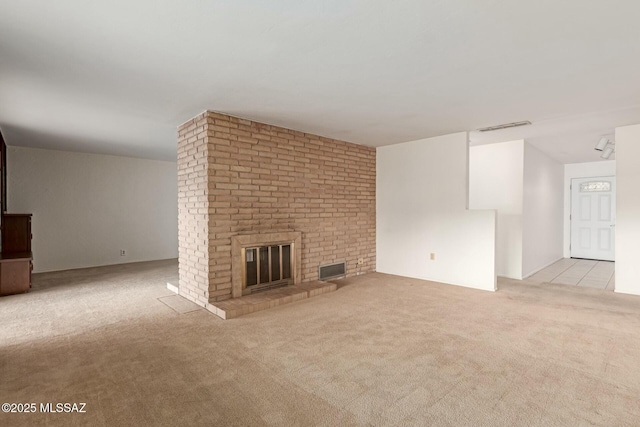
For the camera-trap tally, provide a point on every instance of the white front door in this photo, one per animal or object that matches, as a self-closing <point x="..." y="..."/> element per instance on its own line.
<point x="593" y="218"/>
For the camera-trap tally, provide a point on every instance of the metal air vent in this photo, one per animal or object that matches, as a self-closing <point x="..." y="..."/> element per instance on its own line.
<point x="505" y="126"/>
<point x="331" y="271"/>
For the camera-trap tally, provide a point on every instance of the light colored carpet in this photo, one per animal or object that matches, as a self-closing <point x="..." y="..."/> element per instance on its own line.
<point x="381" y="350"/>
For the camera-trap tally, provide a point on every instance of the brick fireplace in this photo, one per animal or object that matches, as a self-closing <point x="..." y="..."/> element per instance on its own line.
<point x="243" y="184"/>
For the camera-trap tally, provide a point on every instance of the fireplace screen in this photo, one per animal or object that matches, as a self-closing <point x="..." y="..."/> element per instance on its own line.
<point x="268" y="266"/>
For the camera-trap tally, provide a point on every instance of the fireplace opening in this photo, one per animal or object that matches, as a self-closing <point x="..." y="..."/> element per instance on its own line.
<point x="261" y="261"/>
<point x="267" y="267"/>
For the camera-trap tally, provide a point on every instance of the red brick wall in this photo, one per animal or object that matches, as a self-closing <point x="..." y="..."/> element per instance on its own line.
<point x="264" y="178"/>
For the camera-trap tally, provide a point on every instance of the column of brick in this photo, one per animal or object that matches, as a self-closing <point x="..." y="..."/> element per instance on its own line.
<point x="193" y="210"/>
<point x="266" y="178"/>
<point x="237" y="176"/>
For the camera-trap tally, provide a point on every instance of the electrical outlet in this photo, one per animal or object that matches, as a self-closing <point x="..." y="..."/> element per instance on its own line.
<point x="360" y="261"/>
<point x="123" y="252"/>
<point x="433" y="256"/>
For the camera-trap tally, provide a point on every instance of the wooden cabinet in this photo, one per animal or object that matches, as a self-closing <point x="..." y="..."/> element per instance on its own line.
<point x="15" y="258"/>
<point x="3" y="175"/>
<point x="15" y="273"/>
<point x="16" y="233"/>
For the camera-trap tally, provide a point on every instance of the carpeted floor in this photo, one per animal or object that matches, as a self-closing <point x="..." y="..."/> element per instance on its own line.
<point x="382" y="350"/>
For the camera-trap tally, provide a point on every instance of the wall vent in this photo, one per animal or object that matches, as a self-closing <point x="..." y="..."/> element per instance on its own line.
<point x="331" y="271"/>
<point x="504" y="126"/>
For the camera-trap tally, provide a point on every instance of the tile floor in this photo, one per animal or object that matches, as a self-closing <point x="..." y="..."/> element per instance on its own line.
<point x="578" y="272"/>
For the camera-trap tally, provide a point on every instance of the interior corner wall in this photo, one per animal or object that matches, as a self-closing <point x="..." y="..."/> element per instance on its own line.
<point x="542" y="213"/>
<point x="496" y="182"/>
<point x="580" y="170"/>
<point x="628" y="209"/>
<point x="421" y="208"/>
<point x="87" y="207"/>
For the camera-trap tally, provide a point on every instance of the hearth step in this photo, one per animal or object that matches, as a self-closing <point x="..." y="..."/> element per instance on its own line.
<point x="236" y="307"/>
<point x="264" y="288"/>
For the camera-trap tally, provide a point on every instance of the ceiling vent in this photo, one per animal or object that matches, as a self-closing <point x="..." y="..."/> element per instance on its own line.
<point x="505" y="126"/>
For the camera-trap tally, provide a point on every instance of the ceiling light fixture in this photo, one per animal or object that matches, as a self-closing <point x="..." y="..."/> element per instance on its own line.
<point x="505" y="126"/>
<point x="608" y="151"/>
<point x="607" y="147"/>
<point x="602" y="144"/>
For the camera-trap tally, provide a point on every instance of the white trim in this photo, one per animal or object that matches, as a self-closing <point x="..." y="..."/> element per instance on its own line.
<point x="462" y="285"/>
<point x="502" y="276"/>
<point x="626" y="292"/>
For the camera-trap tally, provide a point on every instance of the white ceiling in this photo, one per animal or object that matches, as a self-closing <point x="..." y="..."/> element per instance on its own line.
<point x="118" y="77"/>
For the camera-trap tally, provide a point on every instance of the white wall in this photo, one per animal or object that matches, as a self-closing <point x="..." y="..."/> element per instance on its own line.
<point x="628" y="209"/>
<point x="496" y="182"/>
<point x="542" y="213"/>
<point x="580" y="170"/>
<point x="421" y="200"/>
<point x="86" y="207"/>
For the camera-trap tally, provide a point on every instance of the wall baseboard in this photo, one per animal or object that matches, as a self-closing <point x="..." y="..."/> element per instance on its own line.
<point x="504" y="276"/>
<point x="626" y="292"/>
